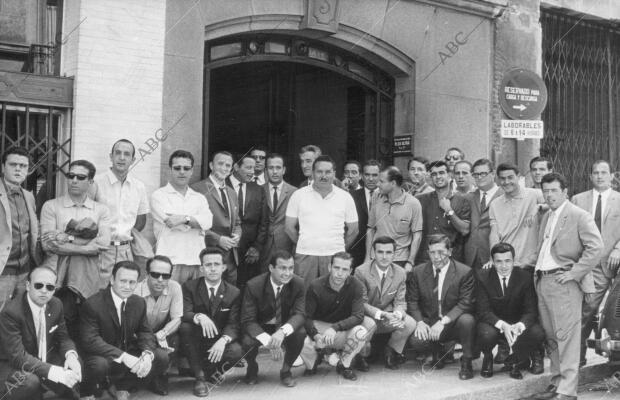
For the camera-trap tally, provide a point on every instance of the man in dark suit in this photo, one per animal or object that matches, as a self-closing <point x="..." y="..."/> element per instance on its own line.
<point x="36" y="348"/>
<point x="210" y="324"/>
<point x="363" y="201"/>
<point x="275" y="210"/>
<point x="226" y="229"/>
<point x="506" y="306"/>
<point x="440" y="297"/>
<point x="118" y="344"/>
<point x="477" y="243"/>
<point x="251" y="200"/>
<point x="272" y="315"/>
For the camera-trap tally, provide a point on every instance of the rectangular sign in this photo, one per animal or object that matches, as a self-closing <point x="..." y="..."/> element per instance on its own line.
<point x="401" y="145"/>
<point x="522" y="129"/>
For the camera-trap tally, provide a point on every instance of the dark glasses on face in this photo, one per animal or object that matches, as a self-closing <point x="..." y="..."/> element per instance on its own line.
<point x="156" y="275"/>
<point x="48" y="287"/>
<point x="258" y="157"/>
<point x="79" y="177"/>
<point x="454" y="158"/>
<point x="178" y="168"/>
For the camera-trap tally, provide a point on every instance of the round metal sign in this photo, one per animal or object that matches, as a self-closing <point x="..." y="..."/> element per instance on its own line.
<point x="522" y="94"/>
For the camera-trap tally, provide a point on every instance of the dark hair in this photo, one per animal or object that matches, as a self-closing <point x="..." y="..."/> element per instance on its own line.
<point x="86" y="164"/>
<point x="243" y="157"/>
<point x="180" y="154"/>
<point x="483" y="161"/>
<point x="383" y="240"/>
<point x="343" y="255"/>
<point x="158" y="257"/>
<point x="464" y="162"/>
<point x="130" y="265"/>
<point x="280" y="254"/>
<point x="359" y="166"/>
<point x="372" y="163"/>
<point x="40" y="267"/>
<point x="554" y="177"/>
<point x="420" y="159"/>
<point x="20" y="151"/>
<point x="541" y="159"/>
<point x="501" y="247"/>
<point x="461" y="152"/>
<point x="440" y="238"/>
<point x="597" y="162"/>
<point x="275" y="155"/>
<point x="310" y="147"/>
<point x="133" y="148"/>
<point x="394" y="175"/>
<point x="323" y="158"/>
<point x="210" y="250"/>
<point x="259" y="148"/>
<point x="507" y="167"/>
<point x="436" y="164"/>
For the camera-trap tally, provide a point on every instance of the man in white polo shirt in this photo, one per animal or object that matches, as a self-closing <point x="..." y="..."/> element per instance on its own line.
<point x="321" y="219"/>
<point x="126" y="198"/>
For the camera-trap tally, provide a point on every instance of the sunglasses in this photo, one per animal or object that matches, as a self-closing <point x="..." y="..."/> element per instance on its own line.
<point x="48" y="287"/>
<point x="157" y="275"/>
<point x="178" y="168"/>
<point x="258" y="157"/>
<point x="71" y="176"/>
<point x="454" y="158"/>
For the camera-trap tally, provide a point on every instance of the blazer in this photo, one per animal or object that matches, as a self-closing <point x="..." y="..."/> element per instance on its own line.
<point x="18" y="336"/>
<point x="253" y="221"/>
<point x="358" y="250"/>
<point x="100" y="328"/>
<point x="576" y="243"/>
<point x="275" y="236"/>
<point x="518" y="304"/>
<point x="6" y="227"/>
<point x="391" y="298"/>
<point x="457" y="292"/>
<point x="259" y="304"/>
<point x="477" y="243"/>
<point x="225" y="309"/>
<point x="610" y="223"/>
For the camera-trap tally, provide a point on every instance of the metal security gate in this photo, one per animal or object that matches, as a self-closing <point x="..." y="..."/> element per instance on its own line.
<point x="581" y="68"/>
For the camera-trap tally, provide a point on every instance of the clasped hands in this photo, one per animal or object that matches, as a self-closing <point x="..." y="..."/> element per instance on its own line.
<point x="140" y="366"/>
<point x="512" y="332"/>
<point x="425" y="332"/>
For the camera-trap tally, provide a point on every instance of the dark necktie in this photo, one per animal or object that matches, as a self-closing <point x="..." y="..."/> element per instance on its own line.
<point x="255" y="179"/>
<point x="370" y="193"/>
<point x="123" y="327"/>
<point x="436" y="283"/>
<point x="225" y="201"/>
<point x="241" y="200"/>
<point x="483" y="202"/>
<point x="504" y="287"/>
<point x="278" y="308"/>
<point x="211" y="299"/>
<point x="383" y="280"/>
<point x="597" y="212"/>
<point x="275" y="199"/>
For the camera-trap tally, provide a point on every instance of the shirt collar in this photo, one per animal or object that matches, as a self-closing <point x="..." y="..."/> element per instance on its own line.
<point x="502" y="277"/>
<point x="400" y="199"/>
<point x="279" y="185"/>
<point x="490" y="193"/>
<point x="275" y="287"/>
<point x="216" y="184"/>
<point x="113" y="179"/>
<point x="443" y="269"/>
<point x="558" y="210"/>
<point x="143" y="289"/>
<point x="235" y="182"/>
<point x="68" y="202"/>
<point x="35" y="309"/>
<point x="170" y="189"/>
<point x="603" y="194"/>
<point x="380" y="272"/>
<point x="216" y="287"/>
<point x="116" y="299"/>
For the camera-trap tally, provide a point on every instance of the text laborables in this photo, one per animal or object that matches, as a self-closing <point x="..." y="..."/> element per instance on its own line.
<point x="516" y="124"/>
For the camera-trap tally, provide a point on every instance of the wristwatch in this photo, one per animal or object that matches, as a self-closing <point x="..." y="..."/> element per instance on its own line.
<point x="71" y="238"/>
<point x="450" y="213"/>
<point x="187" y="219"/>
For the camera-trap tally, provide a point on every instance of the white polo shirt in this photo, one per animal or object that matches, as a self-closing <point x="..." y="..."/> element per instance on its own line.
<point x="321" y="220"/>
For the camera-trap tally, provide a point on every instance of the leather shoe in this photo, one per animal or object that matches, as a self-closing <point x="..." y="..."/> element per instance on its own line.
<point x="347" y="373"/>
<point x="438" y="360"/>
<point x="251" y="373"/>
<point x="515" y="372"/>
<point x="467" y="371"/>
<point x="503" y="351"/>
<point x="319" y="360"/>
<point x="487" y="366"/>
<point x="390" y="359"/>
<point x="400" y="358"/>
<point x="159" y="385"/>
<point x="200" y="388"/>
<point x="287" y="379"/>
<point x="549" y="393"/>
<point x="538" y="363"/>
<point x="361" y="364"/>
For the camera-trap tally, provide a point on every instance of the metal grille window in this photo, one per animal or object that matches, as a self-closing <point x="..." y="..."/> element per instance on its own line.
<point x="581" y="68"/>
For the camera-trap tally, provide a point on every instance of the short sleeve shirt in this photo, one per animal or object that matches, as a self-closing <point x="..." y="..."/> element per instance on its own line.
<point x="168" y="306"/>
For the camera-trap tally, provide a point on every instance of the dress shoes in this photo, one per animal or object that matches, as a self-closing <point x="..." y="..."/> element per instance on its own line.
<point x="487" y="366"/>
<point x="251" y="375"/>
<point x="503" y="351"/>
<point x="347" y="373"/>
<point x="200" y="388"/>
<point x="360" y="363"/>
<point x="438" y="360"/>
<point x="400" y="358"/>
<point x="317" y="362"/>
<point x="159" y="385"/>
<point x="515" y="372"/>
<point x="549" y="393"/>
<point x="538" y="363"/>
<point x="287" y="379"/>
<point x="467" y="371"/>
<point x="390" y="358"/>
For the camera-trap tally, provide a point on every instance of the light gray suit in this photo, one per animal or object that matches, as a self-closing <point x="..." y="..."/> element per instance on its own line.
<point x="277" y="239"/>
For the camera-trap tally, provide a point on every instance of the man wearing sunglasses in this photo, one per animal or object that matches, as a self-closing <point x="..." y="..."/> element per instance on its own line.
<point x="35" y="344"/>
<point x="453" y="156"/>
<point x="19" y="229"/>
<point x="259" y="155"/>
<point x="164" y="308"/>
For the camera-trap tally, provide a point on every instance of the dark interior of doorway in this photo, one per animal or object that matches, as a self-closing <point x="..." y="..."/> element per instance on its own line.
<point x="282" y="106"/>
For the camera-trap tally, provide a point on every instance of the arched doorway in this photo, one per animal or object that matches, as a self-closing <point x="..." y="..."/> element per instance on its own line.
<point x="282" y="92"/>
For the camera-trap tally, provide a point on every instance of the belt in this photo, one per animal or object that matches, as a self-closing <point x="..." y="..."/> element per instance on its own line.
<point x="120" y="242"/>
<point x="540" y="273"/>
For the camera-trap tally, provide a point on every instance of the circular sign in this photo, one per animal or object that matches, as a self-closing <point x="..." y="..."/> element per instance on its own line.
<point x="522" y="94"/>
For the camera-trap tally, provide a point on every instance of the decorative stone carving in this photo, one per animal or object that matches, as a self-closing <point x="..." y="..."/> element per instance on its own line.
<point x="321" y="15"/>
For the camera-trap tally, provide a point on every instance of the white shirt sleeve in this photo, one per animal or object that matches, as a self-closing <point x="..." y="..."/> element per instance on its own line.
<point x="264" y="338"/>
<point x="350" y="215"/>
<point x="143" y="207"/>
<point x="292" y="209"/>
<point x="204" y="216"/>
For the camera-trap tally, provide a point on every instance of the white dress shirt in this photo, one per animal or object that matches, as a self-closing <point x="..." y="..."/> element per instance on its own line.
<point x="260" y="179"/>
<point x="442" y="276"/>
<point x="490" y="193"/>
<point x="368" y="196"/>
<point x="236" y="183"/>
<point x="287" y="328"/>
<point x="545" y="260"/>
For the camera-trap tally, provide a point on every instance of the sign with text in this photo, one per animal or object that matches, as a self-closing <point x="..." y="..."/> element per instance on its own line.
<point x="522" y="94"/>
<point x="522" y="129"/>
<point x="401" y="145"/>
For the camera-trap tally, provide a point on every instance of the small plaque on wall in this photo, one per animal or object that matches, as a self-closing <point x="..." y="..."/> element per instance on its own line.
<point x="401" y="145"/>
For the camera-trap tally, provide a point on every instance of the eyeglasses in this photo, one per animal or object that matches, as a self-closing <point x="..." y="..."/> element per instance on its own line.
<point x="48" y="287"/>
<point x="257" y="157"/>
<point x="453" y="158"/>
<point x="480" y="174"/>
<point x="157" y="275"/>
<point x="79" y="177"/>
<point x="178" y="168"/>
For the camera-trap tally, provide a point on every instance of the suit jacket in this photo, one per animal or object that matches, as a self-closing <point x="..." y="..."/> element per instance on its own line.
<point x="224" y="312"/>
<point x="477" y="243"/>
<point x="253" y="222"/>
<point x="275" y="236"/>
<point x="610" y="222"/>
<point x="259" y="304"/>
<point x="100" y="328"/>
<point x="18" y="336"/>
<point x="457" y="293"/>
<point x="358" y="250"/>
<point x="576" y="243"/>
<point x="518" y="304"/>
<point x="223" y="224"/>
<point x="391" y="298"/>
<point x="6" y="228"/>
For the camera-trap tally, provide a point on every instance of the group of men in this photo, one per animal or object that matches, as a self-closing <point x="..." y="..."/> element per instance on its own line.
<point x="334" y="270"/>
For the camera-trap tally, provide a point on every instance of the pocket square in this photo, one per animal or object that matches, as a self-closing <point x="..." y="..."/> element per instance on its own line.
<point x="53" y="328"/>
<point x="390" y="293"/>
<point x="225" y="309"/>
